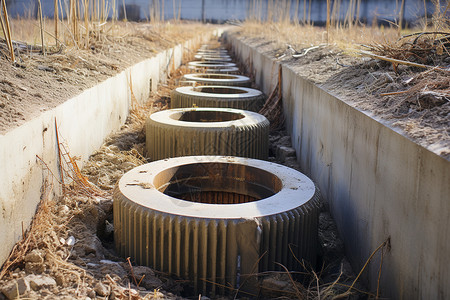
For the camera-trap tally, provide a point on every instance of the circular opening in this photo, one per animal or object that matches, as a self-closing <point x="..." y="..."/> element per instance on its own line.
<point x="216" y="76"/>
<point x="215" y="56"/>
<point x="212" y="51"/>
<point x="221" y="70"/>
<point x="208" y="63"/>
<point x="206" y="116"/>
<point x="217" y="183"/>
<point x="220" y="90"/>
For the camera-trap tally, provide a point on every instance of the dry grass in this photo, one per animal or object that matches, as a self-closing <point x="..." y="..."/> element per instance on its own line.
<point x="273" y="107"/>
<point x="85" y="25"/>
<point x="27" y="32"/>
<point x="347" y="34"/>
<point x="304" y="36"/>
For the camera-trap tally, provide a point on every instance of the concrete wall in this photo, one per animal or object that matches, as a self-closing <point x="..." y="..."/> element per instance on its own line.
<point x="378" y="184"/>
<point x="83" y="122"/>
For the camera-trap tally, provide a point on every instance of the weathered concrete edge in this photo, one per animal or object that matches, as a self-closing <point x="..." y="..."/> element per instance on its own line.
<point x="378" y="183"/>
<point x="83" y="122"/>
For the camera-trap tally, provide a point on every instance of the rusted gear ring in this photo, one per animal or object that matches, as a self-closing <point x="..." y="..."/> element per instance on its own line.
<point x="217" y="96"/>
<point x="212" y="219"/>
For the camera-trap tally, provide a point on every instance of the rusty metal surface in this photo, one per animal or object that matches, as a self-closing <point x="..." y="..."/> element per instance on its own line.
<point x="206" y="131"/>
<point x="206" y="56"/>
<point x="209" y="243"/>
<point x="230" y="70"/>
<point x="218" y="79"/>
<point x="216" y="59"/>
<point x="217" y="96"/>
<point x="210" y="64"/>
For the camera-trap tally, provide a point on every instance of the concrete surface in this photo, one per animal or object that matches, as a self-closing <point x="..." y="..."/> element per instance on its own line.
<point x="379" y="184"/>
<point x="83" y="122"/>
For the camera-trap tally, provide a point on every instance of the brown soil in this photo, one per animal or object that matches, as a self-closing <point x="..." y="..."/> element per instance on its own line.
<point x="37" y="83"/>
<point x="421" y="109"/>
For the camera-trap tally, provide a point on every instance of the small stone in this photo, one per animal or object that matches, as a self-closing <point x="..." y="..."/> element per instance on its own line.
<point x="385" y="78"/>
<point x="38" y="282"/>
<point x="109" y="228"/>
<point x="102" y="290"/>
<point x="15" y="288"/>
<point x="34" y="268"/>
<point x="147" y="277"/>
<point x="112" y="296"/>
<point x="45" y="68"/>
<point x="112" y="268"/>
<point x="60" y="280"/>
<point x="285" y="141"/>
<point x="116" y="293"/>
<point x="127" y="165"/>
<point x="284" y="152"/>
<point x="138" y="271"/>
<point x="151" y="282"/>
<point x="64" y="210"/>
<point x="276" y="286"/>
<point x="34" y="256"/>
<point x="292" y="163"/>
<point x="91" y="294"/>
<point x="71" y="241"/>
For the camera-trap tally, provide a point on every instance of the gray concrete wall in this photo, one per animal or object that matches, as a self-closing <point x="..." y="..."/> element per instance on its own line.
<point x="378" y="184"/>
<point x="84" y="121"/>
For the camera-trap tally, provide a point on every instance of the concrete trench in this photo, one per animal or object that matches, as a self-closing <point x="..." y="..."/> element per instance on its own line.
<point x="108" y="117"/>
<point x="379" y="185"/>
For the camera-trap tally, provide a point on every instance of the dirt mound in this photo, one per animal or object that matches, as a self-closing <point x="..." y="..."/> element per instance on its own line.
<point x="414" y="100"/>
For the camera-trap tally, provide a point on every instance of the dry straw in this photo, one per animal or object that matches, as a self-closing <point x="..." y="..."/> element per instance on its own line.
<point x="6" y="28"/>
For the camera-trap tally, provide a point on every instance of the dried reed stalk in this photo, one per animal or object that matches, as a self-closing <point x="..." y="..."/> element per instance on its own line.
<point x="7" y="30"/>
<point x="29" y="237"/>
<point x="400" y="62"/>
<point x="328" y="20"/>
<point x="273" y="108"/>
<point x="41" y="24"/>
<point x="56" y="20"/>
<point x="400" y="17"/>
<point x="425" y="15"/>
<point x="86" y="22"/>
<point x="174" y="11"/>
<point x="304" y="12"/>
<point x="74" y="21"/>
<point x="124" y="10"/>
<point x="386" y="243"/>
